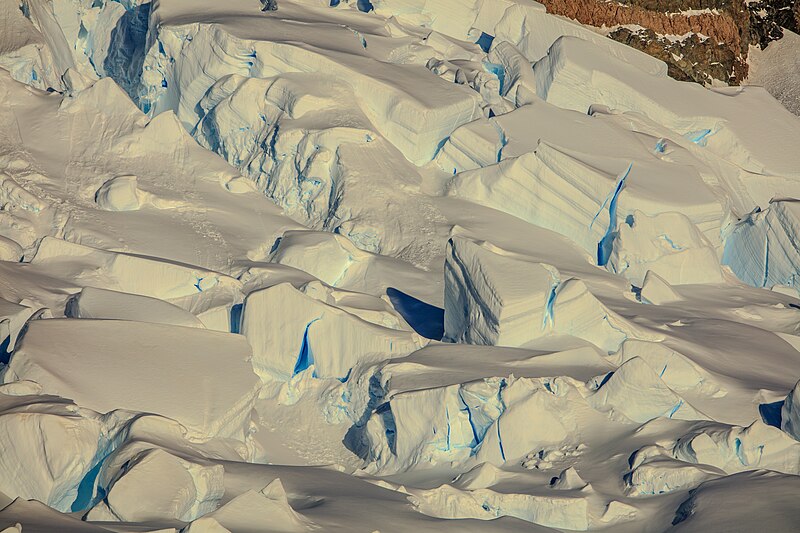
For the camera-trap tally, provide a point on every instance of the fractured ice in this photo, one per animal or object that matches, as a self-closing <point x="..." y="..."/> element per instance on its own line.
<point x="387" y="266"/>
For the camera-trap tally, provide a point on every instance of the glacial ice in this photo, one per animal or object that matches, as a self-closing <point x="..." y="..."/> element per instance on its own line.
<point x="790" y="413"/>
<point x="493" y="297"/>
<point x="386" y="266"/>
<point x="724" y="503"/>
<point x="204" y="294"/>
<point x="156" y="485"/>
<point x="291" y="331"/>
<point x="92" y="302"/>
<point x="175" y="363"/>
<point x="49" y="445"/>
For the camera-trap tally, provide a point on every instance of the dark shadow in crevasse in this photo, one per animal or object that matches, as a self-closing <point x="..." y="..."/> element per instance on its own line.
<point x="426" y="319"/>
<point x="355" y="439"/>
<point x="771" y="413"/>
<point x="126" y="49"/>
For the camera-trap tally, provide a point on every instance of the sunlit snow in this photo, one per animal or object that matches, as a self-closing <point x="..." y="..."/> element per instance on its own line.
<point x="399" y="265"/>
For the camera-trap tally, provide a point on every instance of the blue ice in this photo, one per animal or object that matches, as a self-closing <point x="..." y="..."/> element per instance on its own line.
<point x="605" y="245"/>
<point x="549" y="305"/>
<point x="498" y="71"/>
<point x="306" y="356"/>
<point x="699" y="137"/>
<point x="236" y="317"/>
<point x="485" y="41"/>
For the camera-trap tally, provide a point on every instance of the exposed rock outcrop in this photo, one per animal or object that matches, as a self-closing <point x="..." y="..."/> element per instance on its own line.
<point x="700" y="40"/>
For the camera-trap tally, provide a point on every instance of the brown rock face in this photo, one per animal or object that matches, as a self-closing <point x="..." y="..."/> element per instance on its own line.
<point x="698" y="39"/>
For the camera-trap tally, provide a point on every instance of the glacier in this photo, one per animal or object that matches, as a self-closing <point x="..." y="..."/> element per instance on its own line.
<point x="387" y="266"/>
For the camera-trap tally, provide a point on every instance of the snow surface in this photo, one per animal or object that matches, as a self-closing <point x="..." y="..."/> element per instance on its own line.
<point x="398" y="265"/>
<point x="777" y="69"/>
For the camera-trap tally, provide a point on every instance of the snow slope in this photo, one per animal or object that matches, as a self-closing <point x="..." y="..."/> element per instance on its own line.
<point x="777" y="69"/>
<point x="387" y="266"/>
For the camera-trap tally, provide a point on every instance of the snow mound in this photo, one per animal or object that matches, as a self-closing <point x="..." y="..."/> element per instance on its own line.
<point x="254" y="511"/>
<point x="119" y="194"/>
<point x="499" y="298"/>
<point x="734" y="124"/>
<point x="709" y="452"/>
<point x="485" y="504"/>
<point x="291" y="332"/>
<point x="156" y="485"/>
<point x="92" y="302"/>
<point x="682" y="256"/>
<point x="677" y="371"/>
<point x="585" y="197"/>
<point x="790" y="413"/>
<point x="49" y="446"/>
<point x="159" y="369"/>
<point x="637" y="393"/>
<point x="727" y="504"/>
<point x="657" y="291"/>
<point x="207" y="295"/>
<point x="762" y="249"/>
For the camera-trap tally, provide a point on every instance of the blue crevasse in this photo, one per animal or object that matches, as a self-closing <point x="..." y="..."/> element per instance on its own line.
<point x="498" y="71"/>
<point x="503" y="405"/>
<point x="699" y="137"/>
<point x="485" y="41"/>
<point x="671" y="242"/>
<point x="549" y="306"/>
<point x="771" y="413"/>
<point x="739" y="453"/>
<point x="236" y="317"/>
<point x="604" y="247"/>
<point x="465" y="408"/>
<point x="481" y="413"/>
<point x="675" y="409"/>
<point x="389" y="425"/>
<point x="306" y="356"/>
<point x="500" y="441"/>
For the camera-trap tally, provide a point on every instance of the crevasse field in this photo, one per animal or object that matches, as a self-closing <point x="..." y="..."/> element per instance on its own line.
<point x="400" y="266"/>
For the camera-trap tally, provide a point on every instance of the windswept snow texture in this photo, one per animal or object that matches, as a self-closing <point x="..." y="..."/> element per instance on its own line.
<point x="389" y="265"/>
